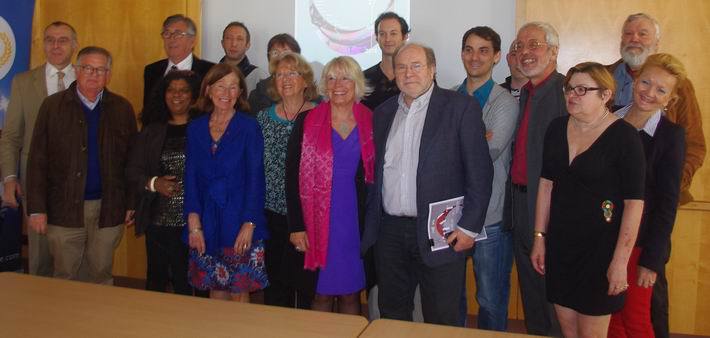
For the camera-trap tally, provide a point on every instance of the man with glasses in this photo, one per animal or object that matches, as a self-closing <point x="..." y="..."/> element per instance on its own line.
<point x="178" y="41"/>
<point x="28" y="91"/>
<point x="430" y="147"/>
<point x="236" y="41"/>
<point x="541" y="101"/>
<point x="76" y="188"/>
<point x="493" y="256"/>
<point x="391" y="32"/>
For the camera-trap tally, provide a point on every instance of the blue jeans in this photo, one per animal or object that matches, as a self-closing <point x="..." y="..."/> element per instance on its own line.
<point x="492" y="263"/>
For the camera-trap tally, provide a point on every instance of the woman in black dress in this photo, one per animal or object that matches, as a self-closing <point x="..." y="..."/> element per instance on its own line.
<point x="588" y="205"/>
<point x="155" y="171"/>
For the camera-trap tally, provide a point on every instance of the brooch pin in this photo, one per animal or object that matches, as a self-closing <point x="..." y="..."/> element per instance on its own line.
<point x="607" y="208"/>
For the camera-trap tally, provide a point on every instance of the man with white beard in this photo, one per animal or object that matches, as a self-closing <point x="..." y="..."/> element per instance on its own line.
<point x="541" y="101"/>
<point x="640" y="37"/>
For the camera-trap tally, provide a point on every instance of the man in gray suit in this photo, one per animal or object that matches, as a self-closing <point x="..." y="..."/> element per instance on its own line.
<point x="28" y="91"/>
<point x="541" y="101"/>
<point x="430" y="147"/>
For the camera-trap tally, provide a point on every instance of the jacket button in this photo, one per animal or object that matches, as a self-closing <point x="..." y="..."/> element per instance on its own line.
<point x="78" y="174"/>
<point x="83" y="148"/>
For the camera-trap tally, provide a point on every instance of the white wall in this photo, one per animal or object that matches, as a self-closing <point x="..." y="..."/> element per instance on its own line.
<point x="438" y="24"/>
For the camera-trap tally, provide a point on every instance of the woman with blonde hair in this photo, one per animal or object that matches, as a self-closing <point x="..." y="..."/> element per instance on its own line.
<point x="329" y="162"/>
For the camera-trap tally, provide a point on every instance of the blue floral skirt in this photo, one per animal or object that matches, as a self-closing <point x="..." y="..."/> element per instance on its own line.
<point x="228" y="271"/>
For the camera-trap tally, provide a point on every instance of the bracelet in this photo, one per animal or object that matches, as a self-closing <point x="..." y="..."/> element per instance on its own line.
<point x="250" y="223"/>
<point x="151" y="185"/>
<point x="539" y="234"/>
<point x="195" y="230"/>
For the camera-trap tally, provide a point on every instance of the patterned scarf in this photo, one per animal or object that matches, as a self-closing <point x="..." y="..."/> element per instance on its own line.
<point x="316" y="174"/>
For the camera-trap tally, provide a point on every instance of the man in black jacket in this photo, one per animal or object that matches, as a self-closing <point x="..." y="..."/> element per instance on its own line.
<point x="178" y="40"/>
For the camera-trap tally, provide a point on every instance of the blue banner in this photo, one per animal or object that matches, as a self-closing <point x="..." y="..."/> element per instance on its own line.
<point x="15" y="41"/>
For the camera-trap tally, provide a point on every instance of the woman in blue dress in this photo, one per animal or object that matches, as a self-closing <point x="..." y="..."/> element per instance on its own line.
<point x="224" y="190"/>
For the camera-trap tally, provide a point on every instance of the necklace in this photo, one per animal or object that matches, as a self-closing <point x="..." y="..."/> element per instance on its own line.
<point x="590" y="125"/>
<point x="290" y="119"/>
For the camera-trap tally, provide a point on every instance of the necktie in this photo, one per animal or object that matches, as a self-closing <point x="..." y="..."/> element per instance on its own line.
<point x="60" y="81"/>
<point x="173" y="68"/>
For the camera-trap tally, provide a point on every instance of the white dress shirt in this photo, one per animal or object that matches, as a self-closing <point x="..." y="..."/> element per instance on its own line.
<point x="185" y="64"/>
<point x="50" y="75"/>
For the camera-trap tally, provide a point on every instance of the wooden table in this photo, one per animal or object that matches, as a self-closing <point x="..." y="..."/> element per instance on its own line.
<point x="32" y="306"/>
<point x="382" y="328"/>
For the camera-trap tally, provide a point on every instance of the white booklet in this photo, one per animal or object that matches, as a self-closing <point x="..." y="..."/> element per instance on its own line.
<point x="443" y="219"/>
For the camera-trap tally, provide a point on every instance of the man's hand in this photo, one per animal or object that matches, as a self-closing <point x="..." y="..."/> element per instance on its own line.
<point x="38" y="223"/>
<point x="11" y="190"/>
<point x="463" y="241"/>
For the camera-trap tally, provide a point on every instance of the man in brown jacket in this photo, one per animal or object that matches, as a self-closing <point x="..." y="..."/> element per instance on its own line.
<point x="639" y="39"/>
<point x="640" y="36"/>
<point x="76" y="187"/>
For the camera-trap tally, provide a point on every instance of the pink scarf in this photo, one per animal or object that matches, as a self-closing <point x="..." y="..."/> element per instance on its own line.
<point x="315" y="176"/>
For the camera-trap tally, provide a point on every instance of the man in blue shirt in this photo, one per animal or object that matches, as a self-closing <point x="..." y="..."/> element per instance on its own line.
<point x="493" y="256"/>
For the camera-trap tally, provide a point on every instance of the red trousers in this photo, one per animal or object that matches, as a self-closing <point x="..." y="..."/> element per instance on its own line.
<point x="634" y="319"/>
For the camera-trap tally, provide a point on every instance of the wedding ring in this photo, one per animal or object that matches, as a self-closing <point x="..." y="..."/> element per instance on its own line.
<point x="298" y="248"/>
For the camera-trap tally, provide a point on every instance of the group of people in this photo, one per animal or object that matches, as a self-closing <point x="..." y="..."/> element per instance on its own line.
<point x="314" y="191"/>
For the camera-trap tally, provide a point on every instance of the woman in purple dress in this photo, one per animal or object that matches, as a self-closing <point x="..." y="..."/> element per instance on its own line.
<point x="330" y="160"/>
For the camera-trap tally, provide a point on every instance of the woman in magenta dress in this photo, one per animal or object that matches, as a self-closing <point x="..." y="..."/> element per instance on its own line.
<point x="330" y="160"/>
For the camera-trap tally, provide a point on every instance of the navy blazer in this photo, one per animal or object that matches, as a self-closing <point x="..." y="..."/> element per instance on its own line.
<point x="155" y="71"/>
<point x="453" y="161"/>
<point x="665" y="154"/>
<point x="226" y="189"/>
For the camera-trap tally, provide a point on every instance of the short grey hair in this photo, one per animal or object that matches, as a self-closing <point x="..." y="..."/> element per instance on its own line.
<point x="191" y="28"/>
<point x="348" y="66"/>
<point x="95" y="50"/>
<point x="551" y="36"/>
<point x="634" y="17"/>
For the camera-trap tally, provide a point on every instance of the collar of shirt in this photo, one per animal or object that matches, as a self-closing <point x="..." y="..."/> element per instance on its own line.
<point x="185" y="64"/>
<point x="481" y="93"/>
<point x="418" y="104"/>
<point x="532" y="88"/>
<point x="50" y="74"/>
<point x="651" y="123"/>
<point x="86" y="101"/>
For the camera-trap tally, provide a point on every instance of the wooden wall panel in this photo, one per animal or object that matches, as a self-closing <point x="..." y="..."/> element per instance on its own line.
<point x="130" y="30"/>
<point x="590" y="30"/>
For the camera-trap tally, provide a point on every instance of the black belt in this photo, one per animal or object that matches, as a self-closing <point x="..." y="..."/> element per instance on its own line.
<point x="520" y="188"/>
<point x="399" y="219"/>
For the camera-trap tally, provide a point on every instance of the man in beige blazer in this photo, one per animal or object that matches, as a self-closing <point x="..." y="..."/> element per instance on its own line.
<point x="28" y="91"/>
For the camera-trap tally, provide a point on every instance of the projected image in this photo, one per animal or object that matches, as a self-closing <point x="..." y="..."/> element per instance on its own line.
<point x="327" y="28"/>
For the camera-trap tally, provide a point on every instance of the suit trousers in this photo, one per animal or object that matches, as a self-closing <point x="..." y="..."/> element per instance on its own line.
<point x="539" y="313"/>
<point x="659" y="305"/>
<point x="40" y="259"/>
<point x="70" y="245"/>
<point x="400" y="269"/>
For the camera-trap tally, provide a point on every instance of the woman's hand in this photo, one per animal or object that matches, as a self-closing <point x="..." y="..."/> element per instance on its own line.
<point x="647" y="277"/>
<point x="195" y="236"/>
<point x="243" y="241"/>
<point x="166" y="185"/>
<point x="299" y="240"/>
<point x="616" y="274"/>
<point x="537" y="255"/>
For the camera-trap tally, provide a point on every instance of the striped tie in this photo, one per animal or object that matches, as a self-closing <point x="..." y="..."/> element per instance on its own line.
<point x="60" y="81"/>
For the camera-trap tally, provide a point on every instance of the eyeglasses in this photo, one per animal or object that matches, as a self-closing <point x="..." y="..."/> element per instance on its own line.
<point x="61" y="41"/>
<point x="532" y="45"/>
<point x="174" y="34"/>
<point x="88" y="70"/>
<point x="416" y="68"/>
<point x="291" y="75"/>
<point x="579" y="90"/>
